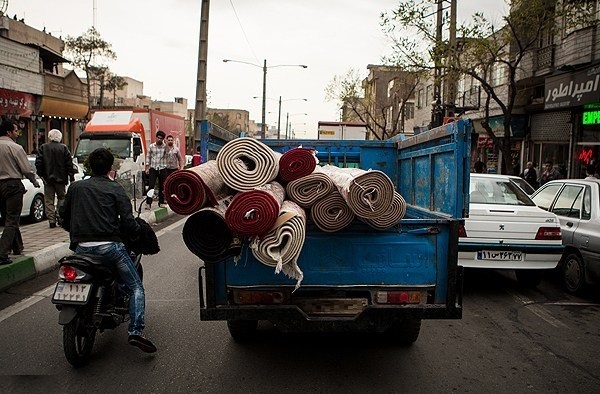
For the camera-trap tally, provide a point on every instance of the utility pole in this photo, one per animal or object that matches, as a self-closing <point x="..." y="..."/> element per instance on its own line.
<point x="200" y="108"/>
<point x="279" y="121"/>
<point x="452" y="79"/>
<point x="436" y="109"/>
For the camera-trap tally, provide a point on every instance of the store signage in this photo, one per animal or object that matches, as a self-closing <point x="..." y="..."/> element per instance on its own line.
<point x="585" y="155"/>
<point x="591" y="117"/>
<point x="572" y="89"/>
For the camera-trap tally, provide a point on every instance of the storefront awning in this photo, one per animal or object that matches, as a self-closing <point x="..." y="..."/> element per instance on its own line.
<point x="63" y="108"/>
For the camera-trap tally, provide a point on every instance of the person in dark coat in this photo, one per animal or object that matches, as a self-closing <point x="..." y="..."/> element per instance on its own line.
<point x="530" y="175"/>
<point x="55" y="166"/>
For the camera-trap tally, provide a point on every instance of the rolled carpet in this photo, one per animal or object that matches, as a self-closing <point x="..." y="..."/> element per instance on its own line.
<point x="309" y="189"/>
<point x="393" y="217"/>
<point x="188" y="190"/>
<point x="331" y="213"/>
<point x="216" y="244"/>
<point x="368" y="193"/>
<point x="281" y="247"/>
<point x="254" y="212"/>
<point x="296" y="163"/>
<point x="246" y="163"/>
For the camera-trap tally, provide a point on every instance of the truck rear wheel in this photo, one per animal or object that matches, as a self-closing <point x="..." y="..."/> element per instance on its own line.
<point x="404" y="332"/>
<point x="242" y="331"/>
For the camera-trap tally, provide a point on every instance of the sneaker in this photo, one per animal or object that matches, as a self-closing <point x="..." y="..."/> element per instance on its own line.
<point x="141" y="342"/>
<point x="5" y="261"/>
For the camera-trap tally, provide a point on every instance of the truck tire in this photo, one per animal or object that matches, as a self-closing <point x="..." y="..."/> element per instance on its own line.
<point x="242" y="331"/>
<point x="404" y="332"/>
<point x="529" y="278"/>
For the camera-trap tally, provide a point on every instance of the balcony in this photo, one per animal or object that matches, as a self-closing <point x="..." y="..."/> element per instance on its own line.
<point x="543" y="60"/>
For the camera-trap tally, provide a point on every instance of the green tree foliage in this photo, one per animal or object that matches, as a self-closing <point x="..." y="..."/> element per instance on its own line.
<point x="482" y="48"/>
<point x="88" y="53"/>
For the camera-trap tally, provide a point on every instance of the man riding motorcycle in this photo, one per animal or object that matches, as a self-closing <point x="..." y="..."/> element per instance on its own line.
<point x="96" y="212"/>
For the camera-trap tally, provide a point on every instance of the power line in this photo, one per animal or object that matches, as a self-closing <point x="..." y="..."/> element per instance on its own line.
<point x="243" y="31"/>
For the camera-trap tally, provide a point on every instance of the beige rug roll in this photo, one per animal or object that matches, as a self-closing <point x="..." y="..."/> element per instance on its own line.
<point x="368" y="193"/>
<point x="309" y="189"/>
<point x="331" y="213"/>
<point x="246" y="163"/>
<point x="396" y="213"/>
<point x="281" y="247"/>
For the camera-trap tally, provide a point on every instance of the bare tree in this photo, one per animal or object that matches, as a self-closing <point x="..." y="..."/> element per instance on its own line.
<point x="88" y="52"/>
<point x="383" y="115"/>
<point x="485" y="49"/>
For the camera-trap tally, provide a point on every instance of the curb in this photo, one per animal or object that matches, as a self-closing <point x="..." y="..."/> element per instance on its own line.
<point x="46" y="260"/>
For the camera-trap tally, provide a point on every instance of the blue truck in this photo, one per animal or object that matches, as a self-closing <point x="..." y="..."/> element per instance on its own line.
<point x="361" y="279"/>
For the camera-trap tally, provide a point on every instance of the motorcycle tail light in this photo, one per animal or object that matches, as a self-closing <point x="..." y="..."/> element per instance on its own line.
<point x="548" y="233"/>
<point x="70" y="274"/>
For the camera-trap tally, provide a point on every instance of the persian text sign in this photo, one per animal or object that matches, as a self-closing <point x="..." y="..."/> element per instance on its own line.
<point x="572" y="89"/>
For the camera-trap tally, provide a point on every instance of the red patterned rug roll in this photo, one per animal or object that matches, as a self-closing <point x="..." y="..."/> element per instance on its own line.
<point x="189" y="190"/>
<point x="296" y="163"/>
<point x="254" y="212"/>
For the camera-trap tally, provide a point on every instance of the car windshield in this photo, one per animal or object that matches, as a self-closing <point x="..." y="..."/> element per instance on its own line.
<point x="118" y="147"/>
<point x="497" y="191"/>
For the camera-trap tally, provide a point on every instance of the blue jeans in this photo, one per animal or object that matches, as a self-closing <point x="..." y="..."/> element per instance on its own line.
<point x="115" y="253"/>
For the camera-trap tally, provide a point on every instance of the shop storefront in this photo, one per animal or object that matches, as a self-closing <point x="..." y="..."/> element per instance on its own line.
<point x="574" y="98"/>
<point x="18" y="107"/>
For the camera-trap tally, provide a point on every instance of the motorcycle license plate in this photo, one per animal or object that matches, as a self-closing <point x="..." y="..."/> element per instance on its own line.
<point x="72" y="293"/>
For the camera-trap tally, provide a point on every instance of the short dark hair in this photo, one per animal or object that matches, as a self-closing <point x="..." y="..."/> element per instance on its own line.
<point x="549" y="162"/>
<point x="198" y="149"/>
<point x="101" y="161"/>
<point x="591" y="169"/>
<point x="160" y="133"/>
<point x="6" y="127"/>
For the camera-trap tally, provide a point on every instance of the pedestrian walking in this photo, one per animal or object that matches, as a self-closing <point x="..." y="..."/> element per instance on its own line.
<point x="156" y="167"/>
<point x="174" y="160"/>
<point x="530" y="175"/>
<point x="13" y="167"/>
<point x="55" y="166"/>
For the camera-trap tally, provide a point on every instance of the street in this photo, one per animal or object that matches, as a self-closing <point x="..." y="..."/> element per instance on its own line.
<point x="509" y="340"/>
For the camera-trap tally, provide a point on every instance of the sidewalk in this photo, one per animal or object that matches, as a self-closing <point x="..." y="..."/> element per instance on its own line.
<point x="44" y="246"/>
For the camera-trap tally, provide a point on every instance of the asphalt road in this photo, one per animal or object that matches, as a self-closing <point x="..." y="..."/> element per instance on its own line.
<point x="510" y="340"/>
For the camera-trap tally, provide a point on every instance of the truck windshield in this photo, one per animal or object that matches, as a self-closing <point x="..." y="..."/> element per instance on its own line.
<point x="120" y="148"/>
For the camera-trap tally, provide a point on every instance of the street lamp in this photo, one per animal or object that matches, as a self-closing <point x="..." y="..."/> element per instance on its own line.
<point x="264" y="93"/>
<point x="287" y="119"/>
<point x="279" y="113"/>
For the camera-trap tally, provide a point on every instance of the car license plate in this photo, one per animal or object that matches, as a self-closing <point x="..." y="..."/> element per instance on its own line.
<point x="76" y="293"/>
<point x="507" y="255"/>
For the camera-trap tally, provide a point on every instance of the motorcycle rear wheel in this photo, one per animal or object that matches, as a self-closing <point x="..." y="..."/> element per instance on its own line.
<point x="78" y="342"/>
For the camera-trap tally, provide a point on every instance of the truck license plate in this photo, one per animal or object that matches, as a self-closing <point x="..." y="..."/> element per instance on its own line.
<point x="508" y="255"/>
<point x="76" y="293"/>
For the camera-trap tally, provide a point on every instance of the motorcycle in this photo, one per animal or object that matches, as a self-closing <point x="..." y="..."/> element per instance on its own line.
<point x="90" y="299"/>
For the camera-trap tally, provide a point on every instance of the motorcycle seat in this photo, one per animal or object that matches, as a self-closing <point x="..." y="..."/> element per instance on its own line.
<point x="94" y="262"/>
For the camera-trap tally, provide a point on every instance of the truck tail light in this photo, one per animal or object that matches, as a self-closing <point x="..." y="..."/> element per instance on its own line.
<point x="398" y="297"/>
<point x="462" y="232"/>
<point x="548" y="233"/>
<point x="253" y="297"/>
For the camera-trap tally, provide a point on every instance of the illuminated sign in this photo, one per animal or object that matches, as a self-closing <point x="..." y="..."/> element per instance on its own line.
<point x="585" y="155"/>
<point x="591" y="117"/>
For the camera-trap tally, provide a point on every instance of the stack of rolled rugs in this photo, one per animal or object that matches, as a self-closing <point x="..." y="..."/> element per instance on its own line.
<point x="253" y="192"/>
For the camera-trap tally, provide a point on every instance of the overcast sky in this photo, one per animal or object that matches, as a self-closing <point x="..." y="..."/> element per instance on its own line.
<point x="156" y="42"/>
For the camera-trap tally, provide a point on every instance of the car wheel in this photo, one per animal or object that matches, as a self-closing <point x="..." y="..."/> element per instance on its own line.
<point x="573" y="272"/>
<point x="529" y="278"/>
<point x="37" y="212"/>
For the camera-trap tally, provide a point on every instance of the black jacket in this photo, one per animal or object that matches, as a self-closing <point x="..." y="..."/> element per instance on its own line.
<point x="97" y="209"/>
<point x="54" y="163"/>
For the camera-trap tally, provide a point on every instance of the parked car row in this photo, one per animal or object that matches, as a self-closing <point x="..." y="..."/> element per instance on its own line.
<point x="513" y="226"/>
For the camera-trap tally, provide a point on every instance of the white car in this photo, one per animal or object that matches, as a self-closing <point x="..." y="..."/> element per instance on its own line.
<point x="506" y="230"/>
<point x="33" y="200"/>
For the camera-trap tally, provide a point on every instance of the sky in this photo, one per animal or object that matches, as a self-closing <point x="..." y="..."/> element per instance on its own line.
<point x="156" y="42"/>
